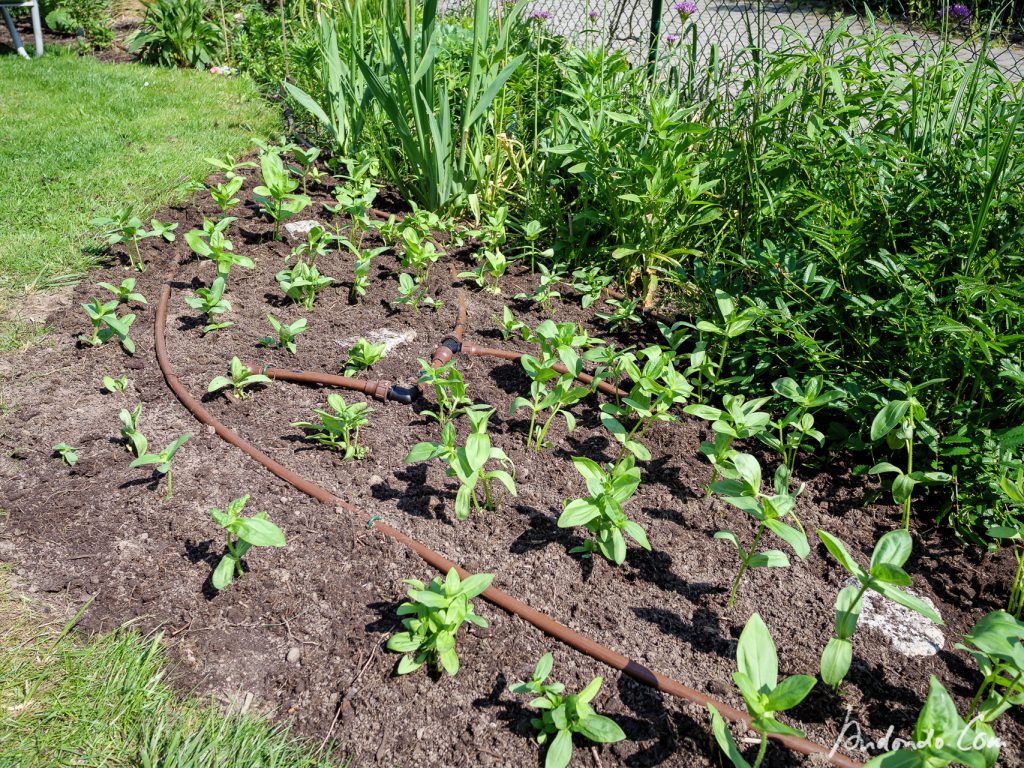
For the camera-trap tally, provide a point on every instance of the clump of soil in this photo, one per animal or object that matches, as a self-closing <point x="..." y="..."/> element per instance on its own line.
<point x="302" y="633"/>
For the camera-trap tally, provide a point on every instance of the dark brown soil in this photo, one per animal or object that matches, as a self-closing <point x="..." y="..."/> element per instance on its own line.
<point x="103" y="529"/>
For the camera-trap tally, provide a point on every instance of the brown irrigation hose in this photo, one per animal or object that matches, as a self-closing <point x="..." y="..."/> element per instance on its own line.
<point x="505" y="354"/>
<point x="506" y="602"/>
<point x="371" y="387"/>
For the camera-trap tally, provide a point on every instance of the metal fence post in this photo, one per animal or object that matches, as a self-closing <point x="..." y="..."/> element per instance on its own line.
<point x="652" y="43"/>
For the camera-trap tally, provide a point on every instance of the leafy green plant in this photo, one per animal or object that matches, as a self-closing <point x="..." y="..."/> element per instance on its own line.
<point x="418" y="253"/>
<point x="106" y="325"/>
<point x="590" y="283"/>
<point x="544" y="294"/>
<point x="276" y="195"/>
<point x="305" y="160"/>
<point x="135" y="441"/>
<point x="211" y="243"/>
<point x="363" y="355"/>
<point x="243" y="533"/>
<point x="996" y="643"/>
<point x="164" y="461"/>
<point x="449" y="390"/>
<point x="625" y="314"/>
<point x="224" y="194"/>
<point x="468" y="463"/>
<point x="796" y="426"/>
<point x="66" y="453"/>
<point x="737" y="419"/>
<point x="125" y="292"/>
<point x="302" y="282"/>
<point x="744" y="493"/>
<point x="757" y="678"/>
<point x="339" y="428"/>
<point x="885" y="576"/>
<point x="657" y="388"/>
<point x="601" y="512"/>
<point x="125" y="227"/>
<point x="942" y="738"/>
<point x="562" y="716"/>
<point x="212" y="303"/>
<point x="488" y="274"/>
<point x="238" y="380"/>
<point x="112" y="385"/>
<point x="435" y="613"/>
<point x="733" y="323"/>
<point x="511" y="327"/>
<point x="898" y="422"/>
<point x="176" y="33"/>
<point x="361" y="273"/>
<point x="415" y="293"/>
<point x="286" y="333"/>
<point x="317" y="243"/>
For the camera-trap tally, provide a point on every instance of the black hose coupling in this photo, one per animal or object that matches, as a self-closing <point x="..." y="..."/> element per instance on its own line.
<point x="404" y="395"/>
<point x="453" y="344"/>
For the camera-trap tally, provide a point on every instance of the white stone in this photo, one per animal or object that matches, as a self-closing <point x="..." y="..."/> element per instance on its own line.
<point x="294" y="654"/>
<point x="299" y="230"/>
<point x="389" y="338"/>
<point x="909" y="633"/>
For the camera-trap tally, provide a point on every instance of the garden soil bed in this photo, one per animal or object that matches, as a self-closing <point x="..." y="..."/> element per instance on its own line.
<point x="301" y="635"/>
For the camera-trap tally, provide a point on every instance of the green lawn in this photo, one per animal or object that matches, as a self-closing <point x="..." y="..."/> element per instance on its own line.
<point x="80" y="139"/>
<point x="105" y="703"/>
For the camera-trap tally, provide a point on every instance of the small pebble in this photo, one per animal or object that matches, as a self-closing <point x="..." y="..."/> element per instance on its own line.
<point x="294" y="654"/>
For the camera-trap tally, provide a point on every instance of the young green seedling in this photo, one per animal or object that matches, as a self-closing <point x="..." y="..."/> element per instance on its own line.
<point x="885" y="576"/>
<point x="363" y="355"/>
<point x="601" y="512"/>
<point x="612" y="364"/>
<point x="302" y="282"/>
<point x="531" y="234"/>
<point x="941" y="738"/>
<point x="286" y="333"/>
<point x="449" y="391"/>
<point x="305" y="160"/>
<point x="757" y="678"/>
<point x="211" y="243"/>
<point x="419" y="254"/>
<point x="162" y="229"/>
<point x="163" y="461"/>
<point x="224" y="194"/>
<point x="744" y="493"/>
<point x="125" y="292"/>
<point x="106" y="325"/>
<point x="135" y="441"/>
<point x="487" y="276"/>
<point x="212" y="303"/>
<point x="276" y="194"/>
<point x="562" y="716"/>
<point x="415" y="294"/>
<point x="112" y="385"/>
<point x="435" y="613"/>
<point x="468" y="464"/>
<point x="738" y="419"/>
<point x="339" y="428"/>
<point x="317" y="243"/>
<point x="897" y="422"/>
<point x="66" y="453"/>
<point x="511" y="327"/>
<point x="590" y="282"/>
<point x="996" y="643"/>
<point x="123" y="227"/>
<point x="243" y="533"/>
<point x="734" y="323"/>
<point x="625" y="314"/>
<point x="797" y="425"/>
<point x="238" y="380"/>
<point x="545" y="292"/>
<point x="657" y="388"/>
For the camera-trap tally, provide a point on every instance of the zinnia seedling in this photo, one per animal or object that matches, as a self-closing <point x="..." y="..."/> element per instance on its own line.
<point x="212" y="303"/>
<point x="66" y="453"/>
<point x="562" y="716"/>
<point x="135" y="441"/>
<point x="414" y="293"/>
<point x="488" y="275"/>
<point x="243" y="533"/>
<point x="436" y="612"/>
<point x="339" y="428"/>
<point x="449" y="390"/>
<point x="276" y="195"/>
<point x="107" y="325"/>
<point x="239" y="379"/>
<point x="286" y="333"/>
<point x="545" y="292"/>
<point x="211" y="243"/>
<point x="112" y="385"/>
<point x="224" y="194"/>
<point x="757" y="678"/>
<point x="601" y="512"/>
<point x="363" y="355"/>
<point x="163" y="461"/>
<point x="884" y="576"/>
<point x="996" y="643"/>
<point x="123" y="227"/>
<point x="302" y="282"/>
<point x="125" y="292"/>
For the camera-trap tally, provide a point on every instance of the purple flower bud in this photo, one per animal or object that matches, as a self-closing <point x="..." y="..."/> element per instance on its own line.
<point x="685" y="8"/>
<point x="671" y="38"/>
<point x="594" y="14"/>
<point x="960" y="13"/>
<point x="540" y="16"/>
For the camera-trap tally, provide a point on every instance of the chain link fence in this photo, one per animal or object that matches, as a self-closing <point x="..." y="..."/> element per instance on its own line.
<point x="722" y="28"/>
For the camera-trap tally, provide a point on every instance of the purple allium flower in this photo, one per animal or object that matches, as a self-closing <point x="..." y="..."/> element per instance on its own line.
<point x="685" y="8"/>
<point x="540" y="16"/>
<point x="594" y="14"/>
<point x="960" y="13"/>
<point x="671" y="38"/>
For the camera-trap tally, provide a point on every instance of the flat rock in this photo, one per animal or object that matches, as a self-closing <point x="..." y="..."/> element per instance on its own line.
<point x="298" y="231"/>
<point x="389" y="338"/>
<point x="909" y="633"/>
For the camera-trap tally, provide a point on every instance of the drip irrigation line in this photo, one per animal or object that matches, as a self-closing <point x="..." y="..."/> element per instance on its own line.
<point x="506" y="602"/>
